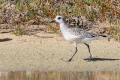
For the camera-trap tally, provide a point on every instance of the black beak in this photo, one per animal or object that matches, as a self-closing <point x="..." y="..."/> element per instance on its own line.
<point x="52" y="21"/>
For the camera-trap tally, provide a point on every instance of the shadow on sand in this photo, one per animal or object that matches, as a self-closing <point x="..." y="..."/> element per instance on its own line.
<point x="5" y="39"/>
<point x="43" y="36"/>
<point x="100" y="59"/>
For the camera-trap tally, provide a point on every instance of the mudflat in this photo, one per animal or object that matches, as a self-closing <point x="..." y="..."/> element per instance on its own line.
<point x="48" y="52"/>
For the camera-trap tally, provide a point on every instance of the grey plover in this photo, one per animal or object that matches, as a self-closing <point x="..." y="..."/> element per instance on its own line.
<point x="76" y="35"/>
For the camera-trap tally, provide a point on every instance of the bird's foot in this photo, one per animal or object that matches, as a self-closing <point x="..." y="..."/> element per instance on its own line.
<point x="90" y="58"/>
<point x="69" y="60"/>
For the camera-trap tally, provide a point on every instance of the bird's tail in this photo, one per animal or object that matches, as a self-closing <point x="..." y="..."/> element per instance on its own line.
<point x="102" y="36"/>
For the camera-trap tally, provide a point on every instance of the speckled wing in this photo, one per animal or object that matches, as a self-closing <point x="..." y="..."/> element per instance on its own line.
<point x="81" y="33"/>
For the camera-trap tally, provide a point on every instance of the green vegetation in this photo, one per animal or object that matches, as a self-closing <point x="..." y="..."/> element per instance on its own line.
<point x="18" y="31"/>
<point x="52" y="28"/>
<point x="19" y="5"/>
<point x="115" y="32"/>
<point x="92" y="9"/>
<point x="37" y="10"/>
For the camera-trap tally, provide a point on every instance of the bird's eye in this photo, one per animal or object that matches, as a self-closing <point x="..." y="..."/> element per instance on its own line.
<point x="59" y="17"/>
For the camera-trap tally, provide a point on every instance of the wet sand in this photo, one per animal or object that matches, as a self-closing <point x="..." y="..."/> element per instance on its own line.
<point x="47" y="52"/>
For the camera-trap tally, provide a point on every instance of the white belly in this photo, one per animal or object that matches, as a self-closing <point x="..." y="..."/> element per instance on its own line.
<point x="70" y="37"/>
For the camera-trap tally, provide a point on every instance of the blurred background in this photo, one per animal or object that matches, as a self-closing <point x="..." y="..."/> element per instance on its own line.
<point x="36" y="75"/>
<point x="100" y="16"/>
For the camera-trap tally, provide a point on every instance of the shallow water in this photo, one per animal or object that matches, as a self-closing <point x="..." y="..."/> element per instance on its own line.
<point x="36" y="75"/>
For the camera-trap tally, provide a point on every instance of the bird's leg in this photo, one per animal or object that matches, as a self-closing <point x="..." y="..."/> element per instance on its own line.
<point x="74" y="52"/>
<point x="89" y="50"/>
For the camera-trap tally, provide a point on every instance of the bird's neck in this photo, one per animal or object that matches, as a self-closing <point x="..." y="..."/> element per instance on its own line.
<point x="63" y="28"/>
<point x="63" y="25"/>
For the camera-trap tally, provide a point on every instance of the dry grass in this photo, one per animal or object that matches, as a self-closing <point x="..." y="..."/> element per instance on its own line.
<point x="40" y="11"/>
<point x="114" y="31"/>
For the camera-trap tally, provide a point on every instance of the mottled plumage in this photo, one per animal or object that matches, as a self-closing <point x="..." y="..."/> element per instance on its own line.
<point x="82" y="33"/>
<point x="75" y="34"/>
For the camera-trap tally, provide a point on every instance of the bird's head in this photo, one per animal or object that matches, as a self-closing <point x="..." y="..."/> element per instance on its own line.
<point x="59" y="19"/>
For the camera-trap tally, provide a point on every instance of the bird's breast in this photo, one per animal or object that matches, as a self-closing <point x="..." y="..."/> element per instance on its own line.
<point x="68" y="36"/>
<point x="66" y="33"/>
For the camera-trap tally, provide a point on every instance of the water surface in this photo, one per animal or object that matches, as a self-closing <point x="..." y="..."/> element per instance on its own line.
<point x="36" y="75"/>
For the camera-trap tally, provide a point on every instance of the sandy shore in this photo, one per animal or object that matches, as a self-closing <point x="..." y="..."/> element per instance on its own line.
<point x="46" y="52"/>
